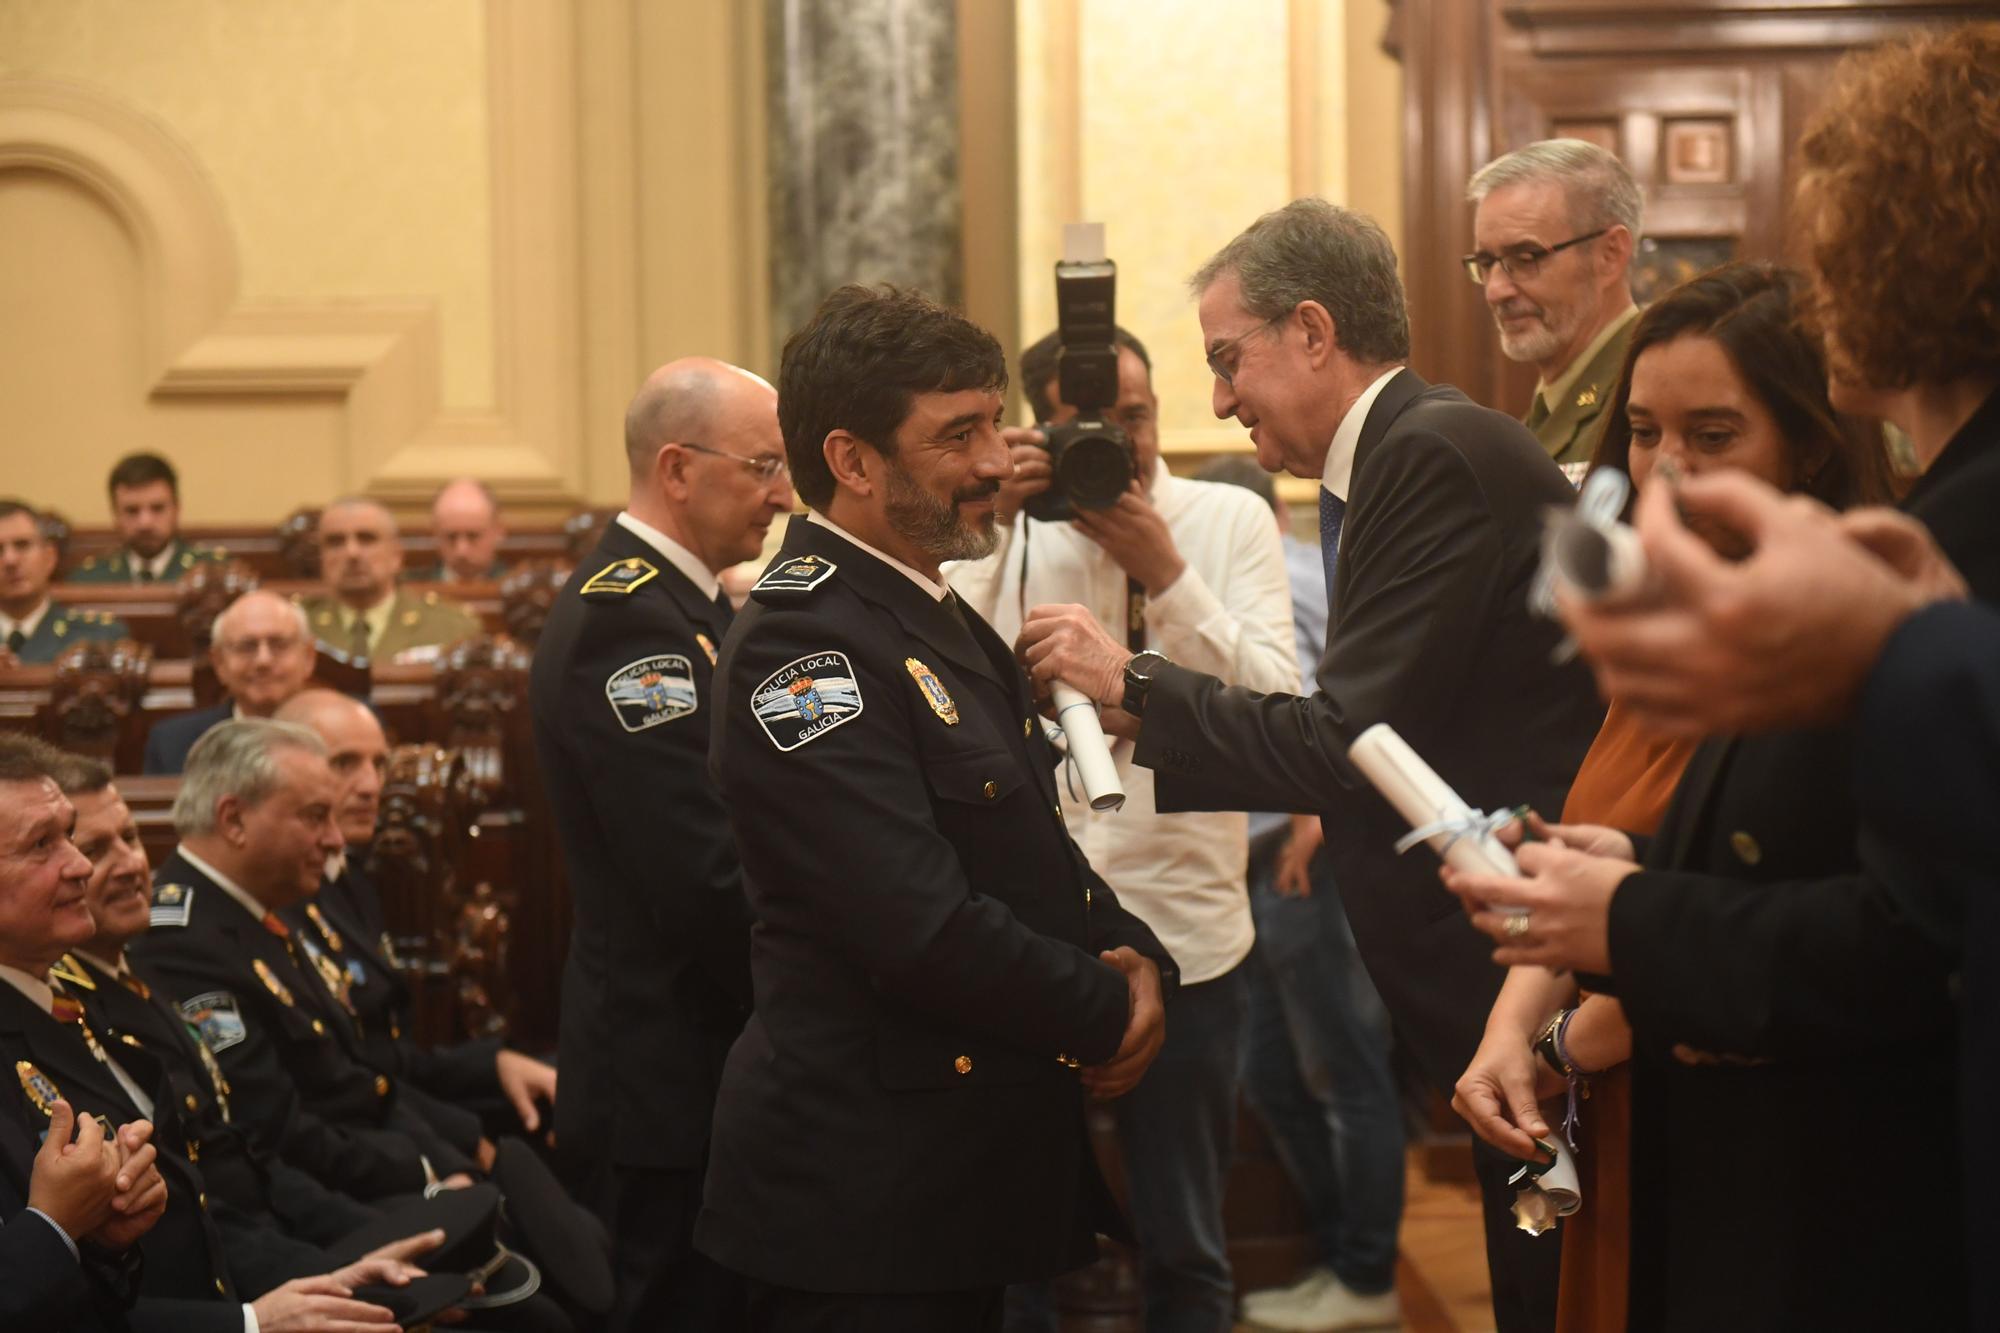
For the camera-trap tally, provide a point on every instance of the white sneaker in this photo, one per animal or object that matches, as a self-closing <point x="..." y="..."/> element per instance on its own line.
<point x="1315" y="1280"/>
<point x="1332" y="1309"/>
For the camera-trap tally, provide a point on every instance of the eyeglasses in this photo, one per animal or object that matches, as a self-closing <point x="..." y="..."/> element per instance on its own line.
<point x="768" y="467"/>
<point x="1522" y="261"/>
<point x="1227" y="373"/>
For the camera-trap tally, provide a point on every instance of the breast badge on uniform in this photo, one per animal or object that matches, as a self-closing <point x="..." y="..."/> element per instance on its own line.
<point x="800" y="573"/>
<point x="933" y="691"/>
<point x="651" y="690"/>
<point x="623" y="576"/>
<point x="707" y="646"/>
<point x="214" y="1016"/>
<point x="41" y="1089"/>
<point x="171" y="904"/>
<point x="271" y="982"/>
<point x="807" y="698"/>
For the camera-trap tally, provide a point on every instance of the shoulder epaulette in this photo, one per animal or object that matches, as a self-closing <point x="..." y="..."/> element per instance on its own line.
<point x="171" y="904"/>
<point x="793" y="577"/>
<point x="620" y="576"/>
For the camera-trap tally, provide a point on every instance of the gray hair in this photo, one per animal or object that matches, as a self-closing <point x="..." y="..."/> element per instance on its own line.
<point x="239" y="759"/>
<point x="1598" y="187"/>
<point x="1311" y="250"/>
<point x="218" y="629"/>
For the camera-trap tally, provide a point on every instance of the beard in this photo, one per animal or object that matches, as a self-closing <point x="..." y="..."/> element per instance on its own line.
<point x="934" y="526"/>
<point x="1540" y="340"/>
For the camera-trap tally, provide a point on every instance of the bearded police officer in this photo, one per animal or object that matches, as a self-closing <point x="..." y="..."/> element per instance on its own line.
<point x="940" y="976"/>
<point x="657" y="981"/>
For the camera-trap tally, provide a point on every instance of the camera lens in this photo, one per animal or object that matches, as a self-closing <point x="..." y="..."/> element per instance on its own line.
<point x="1096" y="470"/>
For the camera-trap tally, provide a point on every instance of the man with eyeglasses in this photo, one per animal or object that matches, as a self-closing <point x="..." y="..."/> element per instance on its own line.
<point x="1555" y="228"/>
<point x="657" y="983"/>
<point x="262" y="654"/>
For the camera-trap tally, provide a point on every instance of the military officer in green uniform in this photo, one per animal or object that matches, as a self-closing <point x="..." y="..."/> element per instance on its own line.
<point x="365" y="614"/>
<point x="1554" y="233"/>
<point x="465" y="523"/>
<point x="146" y="506"/>
<point x="33" y="628"/>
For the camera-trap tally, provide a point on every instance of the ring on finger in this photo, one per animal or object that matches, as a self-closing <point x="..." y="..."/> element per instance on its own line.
<point x="1517" y="926"/>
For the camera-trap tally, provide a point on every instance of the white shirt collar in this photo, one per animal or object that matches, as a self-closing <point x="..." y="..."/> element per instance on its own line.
<point x="229" y="886"/>
<point x="157" y="566"/>
<point x="27" y="624"/>
<point x="121" y="968"/>
<point x="686" y="561"/>
<point x="35" y="988"/>
<point x="1339" y="473"/>
<point x="938" y="592"/>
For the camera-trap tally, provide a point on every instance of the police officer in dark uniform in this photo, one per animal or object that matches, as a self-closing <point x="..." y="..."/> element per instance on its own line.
<point x="940" y="976"/>
<point x="657" y="981"/>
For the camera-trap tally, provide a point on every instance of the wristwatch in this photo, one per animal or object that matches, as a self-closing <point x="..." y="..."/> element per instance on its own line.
<point x="1139" y="679"/>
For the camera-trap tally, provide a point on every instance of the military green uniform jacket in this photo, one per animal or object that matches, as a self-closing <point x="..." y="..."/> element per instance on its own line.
<point x="62" y="627"/>
<point x="118" y="566"/>
<point x="416" y="620"/>
<point x="1571" y="431"/>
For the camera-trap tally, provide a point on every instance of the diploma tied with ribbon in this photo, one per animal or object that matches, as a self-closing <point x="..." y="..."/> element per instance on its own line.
<point x="1464" y="838"/>
<point x="1586" y="549"/>
<point x="1083" y="735"/>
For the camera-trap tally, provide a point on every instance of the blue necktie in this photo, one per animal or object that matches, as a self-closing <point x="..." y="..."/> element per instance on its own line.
<point x="1332" y="509"/>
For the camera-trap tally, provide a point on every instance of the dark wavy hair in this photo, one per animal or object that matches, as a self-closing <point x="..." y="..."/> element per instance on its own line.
<point x="1898" y="210"/>
<point x="860" y="361"/>
<point x="1752" y="310"/>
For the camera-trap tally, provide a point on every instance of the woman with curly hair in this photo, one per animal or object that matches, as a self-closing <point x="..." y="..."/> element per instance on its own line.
<point x="1796" y="1145"/>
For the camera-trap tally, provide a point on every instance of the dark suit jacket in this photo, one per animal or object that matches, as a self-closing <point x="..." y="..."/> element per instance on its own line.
<point x="297" y="1081"/>
<point x="42" y="1285"/>
<point x="1430" y="633"/>
<point x="1927" y="776"/>
<point x="168" y="743"/>
<point x="657" y="982"/>
<point x="902" y="1112"/>
<point x="1760" y="931"/>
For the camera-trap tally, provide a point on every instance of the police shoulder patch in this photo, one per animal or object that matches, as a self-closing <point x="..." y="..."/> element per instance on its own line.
<point x="620" y="576"/>
<point x="171" y="904"/>
<point x="214" y="1015"/>
<point x="651" y="690"/>
<point x="806" y="698"/>
<point x="793" y="576"/>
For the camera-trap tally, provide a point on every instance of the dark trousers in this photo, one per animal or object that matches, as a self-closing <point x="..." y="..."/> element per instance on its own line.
<point x="1525" y="1269"/>
<point x="663" y="1284"/>
<point x="784" y="1310"/>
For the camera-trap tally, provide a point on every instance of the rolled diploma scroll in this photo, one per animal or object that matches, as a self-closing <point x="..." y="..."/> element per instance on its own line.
<point x="1602" y="562"/>
<point x="1421" y="796"/>
<point x="1084" y="735"/>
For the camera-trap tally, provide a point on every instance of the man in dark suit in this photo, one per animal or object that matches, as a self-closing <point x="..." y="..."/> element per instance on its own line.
<point x="934" y="960"/>
<point x="657" y="982"/>
<point x="1430" y="520"/>
<point x="263" y="655"/>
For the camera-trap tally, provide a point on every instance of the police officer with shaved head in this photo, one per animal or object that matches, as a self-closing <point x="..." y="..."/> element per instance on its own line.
<point x="657" y="981"/>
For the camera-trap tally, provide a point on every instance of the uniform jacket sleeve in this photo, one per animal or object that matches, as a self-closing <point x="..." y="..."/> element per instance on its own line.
<point x="1234" y="621"/>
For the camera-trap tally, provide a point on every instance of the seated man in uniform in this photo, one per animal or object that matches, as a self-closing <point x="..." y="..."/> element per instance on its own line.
<point x="366" y="615"/>
<point x="146" y="506"/>
<point x="33" y="629"/>
<point x="465" y="523"/>
<point x="940" y="977"/>
<point x="262" y="654"/>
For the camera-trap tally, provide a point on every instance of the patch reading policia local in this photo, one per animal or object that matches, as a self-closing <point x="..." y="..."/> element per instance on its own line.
<point x="651" y="690"/>
<point x="807" y="698"/>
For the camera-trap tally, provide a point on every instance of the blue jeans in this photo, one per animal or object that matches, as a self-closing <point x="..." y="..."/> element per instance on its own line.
<point x="1176" y="1131"/>
<point x="1316" y="1071"/>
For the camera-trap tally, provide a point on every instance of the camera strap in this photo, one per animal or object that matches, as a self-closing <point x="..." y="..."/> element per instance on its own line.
<point x="1135" y="614"/>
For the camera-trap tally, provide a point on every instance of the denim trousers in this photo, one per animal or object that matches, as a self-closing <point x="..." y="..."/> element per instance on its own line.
<point x="1316" y="1071"/>
<point x="1176" y="1131"/>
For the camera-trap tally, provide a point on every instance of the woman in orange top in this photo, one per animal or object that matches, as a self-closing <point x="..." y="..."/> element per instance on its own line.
<point x="1719" y="375"/>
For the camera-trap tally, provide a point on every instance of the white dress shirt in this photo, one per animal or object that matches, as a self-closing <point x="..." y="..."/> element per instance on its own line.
<point x="686" y="561"/>
<point x="1229" y="614"/>
<point x="1339" y="472"/>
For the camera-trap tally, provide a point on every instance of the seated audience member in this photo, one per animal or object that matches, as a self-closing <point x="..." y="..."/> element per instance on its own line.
<point x="34" y="629"/>
<point x="146" y="506"/>
<point x="342" y="928"/>
<point x="365" y="615"/>
<point x="263" y="655"/>
<point x="465" y="522"/>
<point x="1720" y="376"/>
<point x="1786" y="1003"/>
<point x="56" y="1053"/>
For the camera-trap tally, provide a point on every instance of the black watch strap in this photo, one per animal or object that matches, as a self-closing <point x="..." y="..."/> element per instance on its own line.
<point x="1139" y="680"/>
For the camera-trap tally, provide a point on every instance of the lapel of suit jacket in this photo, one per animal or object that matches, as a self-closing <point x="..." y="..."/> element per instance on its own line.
<point x="1396" y="395"/>
<point x="1700" y="781"/>
<point x="59" y="1051"/>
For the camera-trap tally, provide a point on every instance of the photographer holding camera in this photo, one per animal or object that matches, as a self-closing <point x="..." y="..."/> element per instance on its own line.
<point x="1194" y="570"/>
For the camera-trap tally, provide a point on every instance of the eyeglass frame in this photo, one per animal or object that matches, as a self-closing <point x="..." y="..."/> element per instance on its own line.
<point x="768" y="470"/>
<point x="1537" y="256"/>
<point x="1228" y="377"/>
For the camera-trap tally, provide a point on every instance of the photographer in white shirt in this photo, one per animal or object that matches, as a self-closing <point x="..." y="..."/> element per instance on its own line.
<point x="1194" y="570"/>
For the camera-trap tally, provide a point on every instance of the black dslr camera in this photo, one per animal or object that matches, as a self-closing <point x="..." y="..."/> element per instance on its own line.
<point x="1090" y="460"/>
